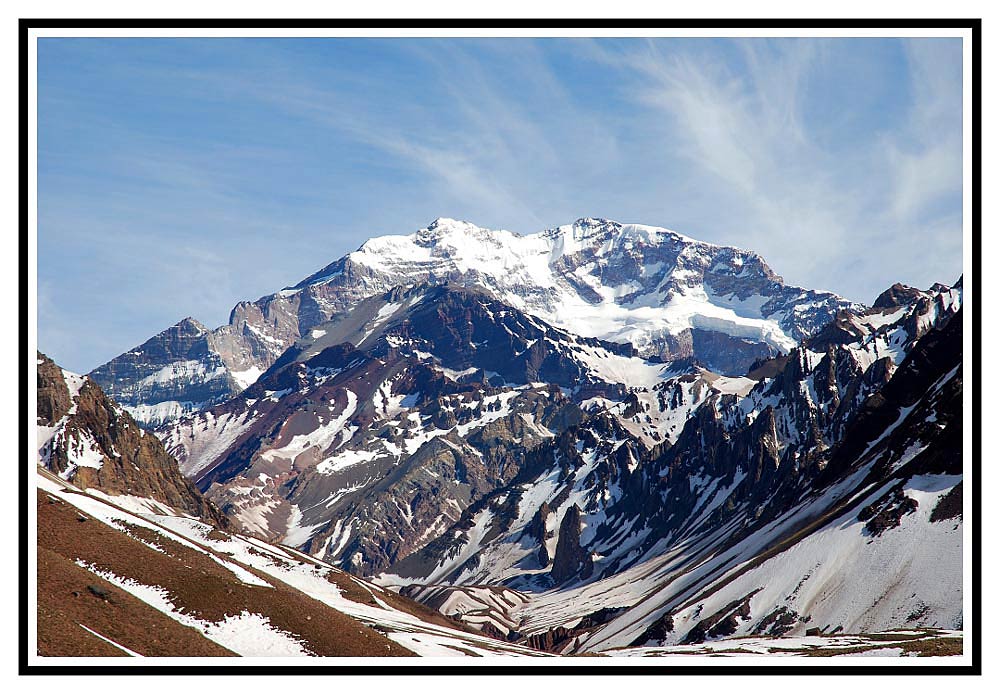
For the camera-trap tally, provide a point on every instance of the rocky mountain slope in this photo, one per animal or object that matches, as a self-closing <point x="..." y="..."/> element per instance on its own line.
<point x="666" y="294"/>
<point x="88" y="440"/>
<point x="114" y="582"/>
<point x="176" y="371"/>
<point x="826" y="497"/>
<point x="133" y="561"/>
<point x="363" y="453"/>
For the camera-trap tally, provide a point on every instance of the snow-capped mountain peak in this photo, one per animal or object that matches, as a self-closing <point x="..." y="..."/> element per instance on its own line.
<point x="602" y="278"/>
<point x="670" y="296"/>
<point x="446" y="226"/>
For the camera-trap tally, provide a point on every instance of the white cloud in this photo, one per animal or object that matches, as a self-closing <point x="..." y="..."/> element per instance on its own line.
<point x="812" y="210"/>
<point x="925" y="159"/>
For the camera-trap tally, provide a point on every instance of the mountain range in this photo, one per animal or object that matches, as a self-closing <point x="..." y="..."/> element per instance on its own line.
<point x="601" y="438"/>
<point x="666" y="294"/>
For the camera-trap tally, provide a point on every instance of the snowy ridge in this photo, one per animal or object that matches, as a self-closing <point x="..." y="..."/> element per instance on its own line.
<point x="667" y="294"/>
<point x="591" y="279"/>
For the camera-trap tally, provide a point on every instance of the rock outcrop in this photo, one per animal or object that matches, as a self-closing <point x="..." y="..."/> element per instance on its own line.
<point x="91" y="442"/>
<point x="571" y="560"/>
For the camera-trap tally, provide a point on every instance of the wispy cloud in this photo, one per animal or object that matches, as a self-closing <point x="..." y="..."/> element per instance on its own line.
<point x="814" y="208"/>
<point x="926" y="156"/>
<point x="742" y="136"/>
<point x="199" y="177"/>
<point x="482" y="149"/>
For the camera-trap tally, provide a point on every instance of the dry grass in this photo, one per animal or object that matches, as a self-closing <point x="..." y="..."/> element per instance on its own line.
<point x="195" y="583"/>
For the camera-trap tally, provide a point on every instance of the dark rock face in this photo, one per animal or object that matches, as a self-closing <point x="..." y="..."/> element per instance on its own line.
<point x="777" y="623"/>
<point x="896" y="295"/>
<point x="722" y="623"/>
<point x="656" y="632"/>
<point x="91" y="428"/>
<point x="886" y="513"/>
<point x="538" y="531"/>
<point x="571" y="560"/>
<point x="842" y="330"/>
<point x="934" y="359"/>
<point x="552" y="640"/>
<point x="472" y="330"/>
<point x="557" y="639"/>
<point x="950" y="505"/>
<point x="54" y="399"/>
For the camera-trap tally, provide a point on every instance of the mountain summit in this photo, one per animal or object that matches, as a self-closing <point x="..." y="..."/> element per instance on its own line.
<point x="668" y="295"/>
<point x="633" y="283"/>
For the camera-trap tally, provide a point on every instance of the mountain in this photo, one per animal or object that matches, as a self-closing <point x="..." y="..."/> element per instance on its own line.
<point x="86" y="439"/>
<point x="374" y="433"/>
<point x="180" y="370"/>
<point x="133" y="561"/>
<point x="599" y="439"/>
<point x="669" y="296"/>
<point x="825" y="499"/>
<point x="812" y="507"/>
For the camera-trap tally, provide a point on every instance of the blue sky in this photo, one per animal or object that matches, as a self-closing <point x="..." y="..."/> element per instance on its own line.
<point x="177" y="177"/>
